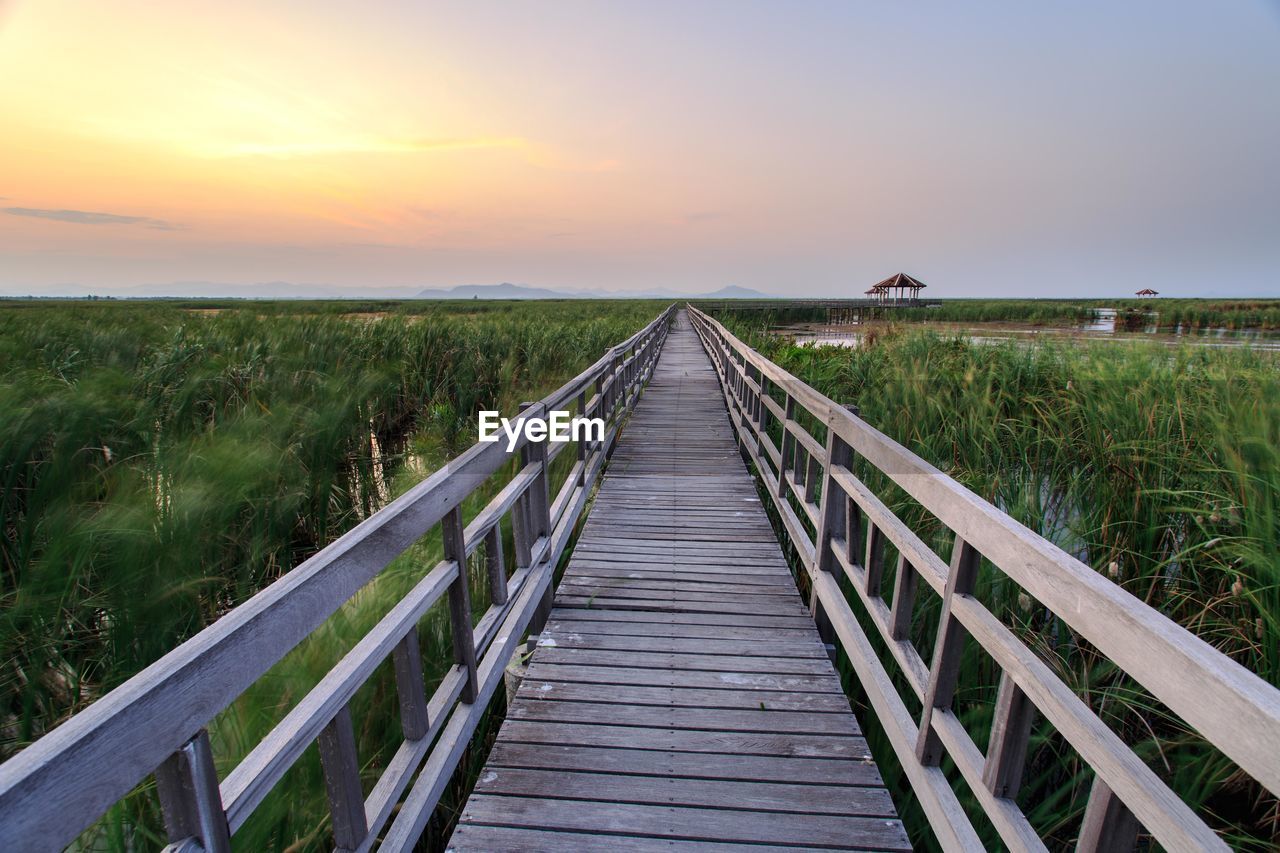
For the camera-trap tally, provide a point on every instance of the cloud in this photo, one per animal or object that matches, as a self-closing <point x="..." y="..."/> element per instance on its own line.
<point x="365" y="146"/>
<point x="87" y="217"/>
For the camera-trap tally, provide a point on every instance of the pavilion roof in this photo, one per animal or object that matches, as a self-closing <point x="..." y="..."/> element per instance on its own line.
<point x="1146" y="291"/>
<point x="900" y="280"/>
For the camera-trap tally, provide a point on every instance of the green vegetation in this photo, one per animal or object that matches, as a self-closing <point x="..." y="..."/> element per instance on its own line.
<point x="160" y="463"/>
<point x="1160" y="468"/>
<point x="1236" y="314"/>
<point x="1132" y="314"/>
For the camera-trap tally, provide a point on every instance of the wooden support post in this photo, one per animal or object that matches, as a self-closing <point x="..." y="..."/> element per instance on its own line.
<point x="944" y="669"/>
<point x="464" y="638"/>
<point x="852" y="528"/>
<point x="341" y="764"/>
<point x="904" y="599"/>
<point x="187" y="783"/>
<point x="537" y="503"/>
<point x="1108" y="825"/>
<point x="831" y="527"/>
<point x="812" y="479"/>
<point x="406" y="660"/>
<point x="583" y="449"/>
<point x="874" y="560"/>
<point x="1010" y="731"/>
<point x="495" y="565"/>
<point x="834" y="518"/>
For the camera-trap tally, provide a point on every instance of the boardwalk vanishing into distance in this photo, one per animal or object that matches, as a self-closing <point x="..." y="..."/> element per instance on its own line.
<point x="681" y="694"/>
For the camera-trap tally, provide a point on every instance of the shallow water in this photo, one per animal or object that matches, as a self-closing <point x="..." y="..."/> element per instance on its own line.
<point x="1102" y="328"/>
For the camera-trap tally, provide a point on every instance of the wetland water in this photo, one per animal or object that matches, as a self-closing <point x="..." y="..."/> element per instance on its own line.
<point x="1101" y="328"/>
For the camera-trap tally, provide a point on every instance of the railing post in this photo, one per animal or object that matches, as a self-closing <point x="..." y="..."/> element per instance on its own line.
<point x="583" y="449"/>
<point x="1108" y="825"/>
<point x="406" y="660"/>
<point x="341" y="765"/>
<point x="1007" y="747"/>
<point x="831" y="526"/>
<point x="495" y="565"/>
<point x="904" y="596"/>
<point x="537" y="505"/>
<point x="464" y="638"/>
<point x="874" y="560"/>
<point x="944" y="669"/>
<point x="190" y="800"/>
<point x="786" y="453"/>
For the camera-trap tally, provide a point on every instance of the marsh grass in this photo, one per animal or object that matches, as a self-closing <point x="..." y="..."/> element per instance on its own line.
<point x="1158" y="468"/>
<point x="160" y="465"/>
<point x="1189" y="315"/>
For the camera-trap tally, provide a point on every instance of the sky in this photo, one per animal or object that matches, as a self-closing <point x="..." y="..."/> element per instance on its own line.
<point x="989" y="149"/>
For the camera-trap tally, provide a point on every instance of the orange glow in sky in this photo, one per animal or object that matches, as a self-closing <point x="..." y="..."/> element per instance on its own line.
<point x="787" y="147"/>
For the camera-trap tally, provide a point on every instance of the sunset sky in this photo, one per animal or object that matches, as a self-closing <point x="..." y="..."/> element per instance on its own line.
<point x="1007" y="149"/>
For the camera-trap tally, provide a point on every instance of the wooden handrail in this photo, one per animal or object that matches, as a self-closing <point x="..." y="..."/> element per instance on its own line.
<point x="1232" y="708"/>
<point x="155" y="723"/>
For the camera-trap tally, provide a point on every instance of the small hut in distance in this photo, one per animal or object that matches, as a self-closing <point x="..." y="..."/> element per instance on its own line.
<point x="1146" y="291"/>
<point x="900" y="289"/>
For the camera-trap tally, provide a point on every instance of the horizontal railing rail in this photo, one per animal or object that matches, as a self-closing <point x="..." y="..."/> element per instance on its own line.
<point x="813" y="487"/>
<point x="156" y="723"/>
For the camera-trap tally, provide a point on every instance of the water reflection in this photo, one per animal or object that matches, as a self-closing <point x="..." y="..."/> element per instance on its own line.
<point x="1102" y="327"/>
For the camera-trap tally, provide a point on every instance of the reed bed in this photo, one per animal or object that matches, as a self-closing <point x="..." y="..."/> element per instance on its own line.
<point x="1131" y="314"/>
<point x="159" y="465"/>
<point x="1159" y="468"/>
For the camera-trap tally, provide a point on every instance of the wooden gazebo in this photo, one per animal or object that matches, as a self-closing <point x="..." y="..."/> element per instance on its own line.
<point x="900" y="289"/>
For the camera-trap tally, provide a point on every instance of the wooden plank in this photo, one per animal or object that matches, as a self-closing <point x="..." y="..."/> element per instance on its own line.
<point x="505" y="839"/>
<point x="673" y="661"/>
<point x="760" y="719"/>
<point x="657" y="676"/>
<point x="690" y="823"/>
<point x="802" y="648"/>
<point x="678" y="791"/>
<point x="684" y="696"/>
<point x="693" y="765"/>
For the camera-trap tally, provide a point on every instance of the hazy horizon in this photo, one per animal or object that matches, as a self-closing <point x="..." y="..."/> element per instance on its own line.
<point x="994" y="150"/>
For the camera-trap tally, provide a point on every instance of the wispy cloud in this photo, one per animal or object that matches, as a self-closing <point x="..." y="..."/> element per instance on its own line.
<point x="366" y="146"/>
<point x="89" y="217"/>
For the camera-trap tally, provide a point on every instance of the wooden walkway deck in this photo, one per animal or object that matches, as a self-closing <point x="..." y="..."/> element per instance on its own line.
<point x="679" y="696"/>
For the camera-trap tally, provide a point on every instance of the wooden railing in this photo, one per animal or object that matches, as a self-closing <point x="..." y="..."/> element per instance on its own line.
<point x="813" y="487"/>
<point x="156" y="723"/>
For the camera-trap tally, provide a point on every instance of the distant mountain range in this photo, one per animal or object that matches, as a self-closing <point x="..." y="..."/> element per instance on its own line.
<point x="290" y="290"/>
<point x="520" y="291"/>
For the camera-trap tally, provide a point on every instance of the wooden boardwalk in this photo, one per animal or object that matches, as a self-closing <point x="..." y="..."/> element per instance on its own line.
<point x="679" y="696"/>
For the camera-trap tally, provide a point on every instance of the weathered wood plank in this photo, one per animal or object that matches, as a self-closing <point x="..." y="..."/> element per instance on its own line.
<point x="851" y="833"/>
<point x="678" y="791"/>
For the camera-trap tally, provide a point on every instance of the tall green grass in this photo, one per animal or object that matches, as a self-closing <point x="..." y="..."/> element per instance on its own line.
<point x="1132" y="314"/>
<point x="160" y="465"/>
<point x="1159" y="468"/>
